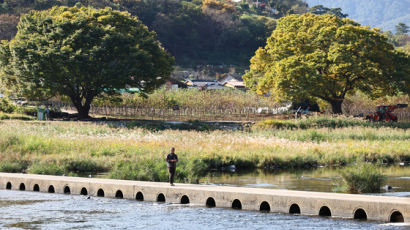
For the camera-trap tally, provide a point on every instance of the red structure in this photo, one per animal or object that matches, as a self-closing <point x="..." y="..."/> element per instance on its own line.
<point x="385" y="113"/>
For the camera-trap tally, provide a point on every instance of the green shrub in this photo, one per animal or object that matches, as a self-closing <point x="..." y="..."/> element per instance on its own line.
<point x="149" y="170"/>
<point x="326" y="122"/>
<point x="6" y="116"/>
<point x="83" y="166"/>
<point x="13" y="167"/>
<point x="363" y="178"/>
<point x="124" y="170"/>
<point x="49" y="168"/>
<point x="188" y="171"/>
<point x="27" y="110"/>
<point x="192" y="170"/>
<point x="6" y="106"/>
<point x="276" y="124"/>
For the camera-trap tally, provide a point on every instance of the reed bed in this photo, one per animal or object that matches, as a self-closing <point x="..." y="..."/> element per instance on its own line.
<point x="363" y="178"/>
<point x="127" y="152"/>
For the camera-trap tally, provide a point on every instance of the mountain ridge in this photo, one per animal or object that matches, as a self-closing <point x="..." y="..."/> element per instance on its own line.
<point x="384" y="14"/>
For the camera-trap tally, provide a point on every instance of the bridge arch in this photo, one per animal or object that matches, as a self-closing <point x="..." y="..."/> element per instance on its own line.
<point x="36" y="188"/>
<point x="84" y="191"/>
<point x="119" y="194"/>
<point x="264" y="207"/>
<point x="139" y="196"/>
<point x="8" y="186"/>
<point x="360" y="214"/>
<point x="67" y="190"/>
<point x="100" y="193"/>
<point x="160" y="198"/>
<point x="184" y="199"/>
<point x="210" y="202"/>
<point x="236" y="204"/>
<point x="294" y="209"/>
<point x="51" y="189"/>
<point x="325" y="211"/>
<point x="396" y="217"/>
<point x="22" y="187"/>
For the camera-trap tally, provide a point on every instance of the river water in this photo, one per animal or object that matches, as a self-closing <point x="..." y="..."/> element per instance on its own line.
<point x="33" y="210"/>
<point x="30" y="210"/>
<point x="318" y="180"/>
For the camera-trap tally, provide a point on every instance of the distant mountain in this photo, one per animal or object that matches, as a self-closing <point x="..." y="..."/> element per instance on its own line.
<point x="384" y="14"/>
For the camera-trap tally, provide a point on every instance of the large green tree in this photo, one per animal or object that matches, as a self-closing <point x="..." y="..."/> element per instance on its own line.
<point x="326" y="57"/>
<point x="81" y="53"/>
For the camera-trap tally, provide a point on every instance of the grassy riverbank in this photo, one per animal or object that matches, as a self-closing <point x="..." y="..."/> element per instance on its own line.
<point x="15" y="116"/>
<point x="131" y="152"/>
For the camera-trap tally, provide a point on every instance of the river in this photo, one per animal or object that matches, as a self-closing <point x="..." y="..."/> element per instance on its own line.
<point x="30" y="210"/>
<point x="318" y="180"/>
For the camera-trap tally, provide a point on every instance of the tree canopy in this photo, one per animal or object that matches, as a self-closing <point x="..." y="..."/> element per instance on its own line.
<point x="326" y="57"/>
<point x="81" y="53"/>
<point x="195" y="32"/>
<point x="402" y="28"/>
<point x="320" y="9"/>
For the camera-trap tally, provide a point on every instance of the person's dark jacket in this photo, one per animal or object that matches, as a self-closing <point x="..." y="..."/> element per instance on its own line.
<point x="172" y="157"/>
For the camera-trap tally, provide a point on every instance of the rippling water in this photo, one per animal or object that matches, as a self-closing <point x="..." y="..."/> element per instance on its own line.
<point x="319" y="180"/>
<point x="30" y="210"/>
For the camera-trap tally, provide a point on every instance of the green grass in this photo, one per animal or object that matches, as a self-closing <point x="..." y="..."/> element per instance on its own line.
<point x="137" y="152"/>
<point x="14" y="116"/>
<point x="363" y="178"/>
<point x="327" y="122"/>
<point x="13" y="167"/>
<point x="50" y="168"/>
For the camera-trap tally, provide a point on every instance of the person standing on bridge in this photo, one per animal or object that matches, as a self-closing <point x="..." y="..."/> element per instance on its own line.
<point x="172" y="160"/>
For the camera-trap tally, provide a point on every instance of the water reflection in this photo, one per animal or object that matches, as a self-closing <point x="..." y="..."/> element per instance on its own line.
<point x="320" y="180"/>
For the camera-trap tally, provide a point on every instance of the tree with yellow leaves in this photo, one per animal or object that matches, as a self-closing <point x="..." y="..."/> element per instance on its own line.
<point x="326" y="57"/>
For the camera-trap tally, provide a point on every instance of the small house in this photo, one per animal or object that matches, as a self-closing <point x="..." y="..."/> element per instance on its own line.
<point x="235" y="84"/>
<point x="204" y="84"/>
<point x="172" y="83"/>
<point x="225" y="79"/>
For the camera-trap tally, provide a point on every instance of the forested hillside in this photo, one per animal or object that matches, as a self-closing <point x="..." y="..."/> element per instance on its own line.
<point x="214" y="32"/>
<point x="195" y="32"/>
<point x="385" y="14"/>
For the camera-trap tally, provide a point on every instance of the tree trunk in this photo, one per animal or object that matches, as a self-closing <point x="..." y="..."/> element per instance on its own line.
<point x="82" y="109"/>
<point x="83" y="112"/>
<point x="337" y="106"/>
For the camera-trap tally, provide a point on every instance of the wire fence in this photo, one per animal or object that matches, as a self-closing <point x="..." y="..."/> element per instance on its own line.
<point x="211" y="114"/>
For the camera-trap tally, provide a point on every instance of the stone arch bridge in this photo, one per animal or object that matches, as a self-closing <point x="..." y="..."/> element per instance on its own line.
<point x="364" y="207"/>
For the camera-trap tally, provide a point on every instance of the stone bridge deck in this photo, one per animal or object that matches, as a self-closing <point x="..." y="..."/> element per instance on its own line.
<point x="379" y="208"/>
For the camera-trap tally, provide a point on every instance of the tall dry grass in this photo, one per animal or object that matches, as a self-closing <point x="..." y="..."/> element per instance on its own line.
<point x="190" y="98"/>
<point x="78" y="148"/>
